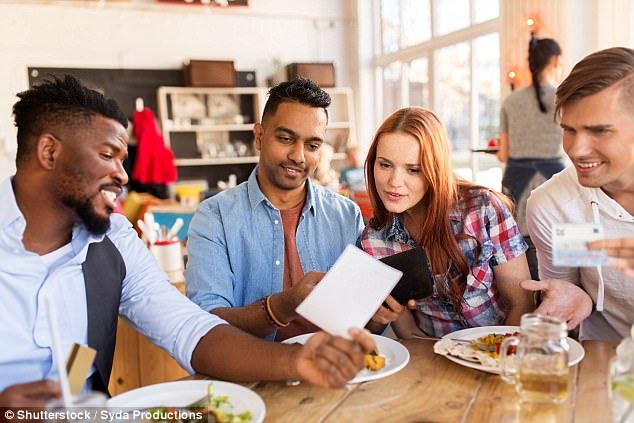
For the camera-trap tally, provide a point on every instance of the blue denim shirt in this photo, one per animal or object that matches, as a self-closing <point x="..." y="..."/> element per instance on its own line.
<point x="236" y="242"/>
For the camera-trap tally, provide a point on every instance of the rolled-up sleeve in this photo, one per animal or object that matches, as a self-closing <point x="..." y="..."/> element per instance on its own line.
<point x="155" y="307"/>
<point x="210" y="280"/>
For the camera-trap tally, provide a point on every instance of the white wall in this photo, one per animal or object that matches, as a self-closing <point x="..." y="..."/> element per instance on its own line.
<point x="149" y="36"/>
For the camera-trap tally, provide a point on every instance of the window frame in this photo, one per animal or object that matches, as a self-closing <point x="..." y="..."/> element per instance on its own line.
<point x="428" y="49"/>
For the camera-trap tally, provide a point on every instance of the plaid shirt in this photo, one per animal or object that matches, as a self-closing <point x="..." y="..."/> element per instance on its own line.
<point x="485" y="221"/>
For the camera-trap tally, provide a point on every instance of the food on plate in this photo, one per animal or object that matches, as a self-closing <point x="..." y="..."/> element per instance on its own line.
<point x="491" y="343"/>
<point x="374" y="361"/>
<point x="484" y="350"/>
<point x="212" y="409"/>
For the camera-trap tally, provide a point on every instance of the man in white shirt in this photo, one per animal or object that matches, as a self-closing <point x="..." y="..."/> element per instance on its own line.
<point x="59" y="239"/>
<point x="595" y="107"/>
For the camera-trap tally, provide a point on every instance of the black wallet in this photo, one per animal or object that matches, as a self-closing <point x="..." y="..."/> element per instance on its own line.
<point x="417" y="281"/>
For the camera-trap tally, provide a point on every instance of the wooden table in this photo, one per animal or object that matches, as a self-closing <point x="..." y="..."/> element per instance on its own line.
<point x="432" y="388"/>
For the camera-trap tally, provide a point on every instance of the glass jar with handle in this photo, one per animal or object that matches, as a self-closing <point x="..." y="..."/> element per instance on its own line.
<point x="622" y="381"/>
<point x="536" y="361"/>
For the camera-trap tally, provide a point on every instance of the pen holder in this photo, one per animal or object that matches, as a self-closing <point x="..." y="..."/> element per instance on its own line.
<point x="169" y="256"/>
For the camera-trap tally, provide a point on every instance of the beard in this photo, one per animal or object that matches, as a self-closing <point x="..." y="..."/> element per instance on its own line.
<point x="73" y="195"/>
<point x="96" y="224"/>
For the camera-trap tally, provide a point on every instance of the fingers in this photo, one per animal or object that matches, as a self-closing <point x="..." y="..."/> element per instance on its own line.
<point x="394" y="305"/>
<point x="364" y="339"/>
<point x="32" y="394"/>
<point x="341" y="359"/>
<point x="312" y="278"/>
<point x="531" y="285"/>
<point x="618" y="246"/>
<point x="384" y="316"/>
<point x="411" y="304"/>
<point x="38" y="388"/>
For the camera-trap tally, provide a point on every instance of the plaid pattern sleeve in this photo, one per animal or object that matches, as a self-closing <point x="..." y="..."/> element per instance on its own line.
<point x="492" y="238"/>
<point x="490" y="223"/>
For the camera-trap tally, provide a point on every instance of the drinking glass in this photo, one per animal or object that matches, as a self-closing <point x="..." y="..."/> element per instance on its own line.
<point x="539" y="368"/>
<point x="622" y="382"/>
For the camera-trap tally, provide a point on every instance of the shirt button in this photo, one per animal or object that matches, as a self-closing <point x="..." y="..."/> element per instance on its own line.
<point x="277" y="262"/>
<point x="276" y="221"/>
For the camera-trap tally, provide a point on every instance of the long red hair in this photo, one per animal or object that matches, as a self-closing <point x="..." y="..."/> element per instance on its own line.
<point x="444" y="192"/>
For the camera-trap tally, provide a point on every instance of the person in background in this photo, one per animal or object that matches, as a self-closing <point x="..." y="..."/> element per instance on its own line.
<point x="253" y="249"/>
<point x="530" y="139"/>
<point x="595" y="107"/>
<point x="60" y="239"/>
<point x="474" y="246"/>
<point x="324" y="174"/>
<point x="352" y="175"/>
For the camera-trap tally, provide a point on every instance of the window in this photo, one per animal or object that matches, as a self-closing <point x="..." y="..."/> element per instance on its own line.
<point x="445" y="55"/>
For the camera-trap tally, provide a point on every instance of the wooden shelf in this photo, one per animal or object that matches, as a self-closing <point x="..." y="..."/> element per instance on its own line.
<point x="211" y="128"/>
<point x="342" y="128"/>
<point x="216" y="161"/>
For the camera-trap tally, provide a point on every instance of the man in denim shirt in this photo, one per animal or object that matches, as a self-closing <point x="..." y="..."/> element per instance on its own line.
<point x="252" y="248"/>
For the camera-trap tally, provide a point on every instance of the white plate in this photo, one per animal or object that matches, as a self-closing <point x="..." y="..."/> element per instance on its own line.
<point x="396" y="357"/>
<point x="575" y="355"/>
<point x="184" y="393"/>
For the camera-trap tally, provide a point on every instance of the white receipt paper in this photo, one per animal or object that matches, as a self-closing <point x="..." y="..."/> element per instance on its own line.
<point x="350" y="293"/>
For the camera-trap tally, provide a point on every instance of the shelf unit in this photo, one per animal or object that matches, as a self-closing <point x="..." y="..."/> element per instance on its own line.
<point x="208" y="127"/>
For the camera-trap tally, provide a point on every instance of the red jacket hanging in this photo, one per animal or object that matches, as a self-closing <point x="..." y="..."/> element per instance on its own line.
<point x="154" y="162"/>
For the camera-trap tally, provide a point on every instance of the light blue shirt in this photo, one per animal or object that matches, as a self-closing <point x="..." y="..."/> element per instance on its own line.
<point x="151" y="304"/>
<point x="236" y="242"/>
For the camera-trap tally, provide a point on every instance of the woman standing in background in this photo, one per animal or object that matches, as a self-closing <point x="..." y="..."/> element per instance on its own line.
<point x="530" y="139"/>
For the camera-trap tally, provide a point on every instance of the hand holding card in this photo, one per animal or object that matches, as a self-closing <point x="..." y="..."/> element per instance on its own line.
<point x="569" y="242"/>
<point x="349" y="293"/>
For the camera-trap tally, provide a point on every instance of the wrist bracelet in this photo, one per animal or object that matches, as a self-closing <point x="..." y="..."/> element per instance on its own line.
<point x="269" y="312"/>
<point x="266" y="312"/>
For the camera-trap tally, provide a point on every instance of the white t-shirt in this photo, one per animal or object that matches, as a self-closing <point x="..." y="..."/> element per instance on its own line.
<point x="563" y="200"/>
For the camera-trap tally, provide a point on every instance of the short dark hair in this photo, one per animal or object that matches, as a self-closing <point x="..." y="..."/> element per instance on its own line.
<point x="58" y="101"/>
<point x="300" y="90"/>
<point x="596" y="72"/>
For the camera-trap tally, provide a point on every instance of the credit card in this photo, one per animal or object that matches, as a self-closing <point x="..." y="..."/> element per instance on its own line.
<point x="569" y="245"/>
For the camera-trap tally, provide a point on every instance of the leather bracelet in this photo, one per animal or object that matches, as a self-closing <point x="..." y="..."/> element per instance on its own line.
<point x="269" y="312"/>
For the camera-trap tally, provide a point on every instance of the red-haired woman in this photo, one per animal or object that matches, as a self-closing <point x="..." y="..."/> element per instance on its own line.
<point x="474" y="246"/>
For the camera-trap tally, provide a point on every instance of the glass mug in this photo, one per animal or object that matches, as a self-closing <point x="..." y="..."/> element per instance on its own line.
<point x="539" y="369"/>
<point x="621" y="382"/>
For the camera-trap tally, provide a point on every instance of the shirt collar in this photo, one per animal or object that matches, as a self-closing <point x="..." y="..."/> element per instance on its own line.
<point x="603" y="202"/>
<point x="397" y="231"/>
<point x="10" y="214"/>
<point x="256" y="196"/>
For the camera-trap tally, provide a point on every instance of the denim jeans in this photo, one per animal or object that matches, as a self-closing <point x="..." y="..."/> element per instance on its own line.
<point x="519" y="172"/>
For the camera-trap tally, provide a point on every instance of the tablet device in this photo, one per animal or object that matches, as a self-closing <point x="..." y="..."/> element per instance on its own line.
<point x="417" y="281"/>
